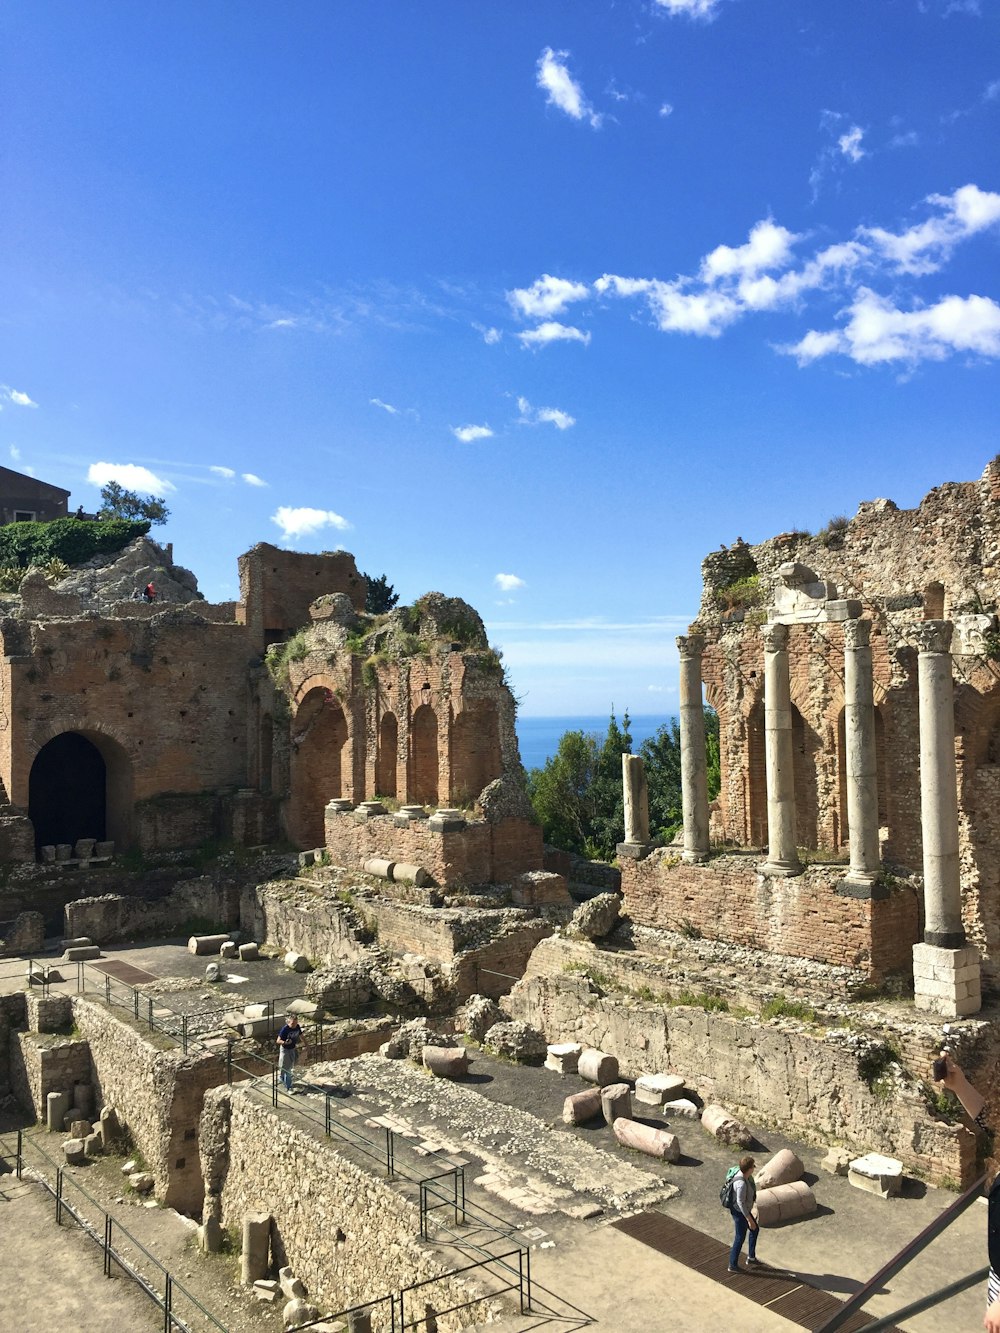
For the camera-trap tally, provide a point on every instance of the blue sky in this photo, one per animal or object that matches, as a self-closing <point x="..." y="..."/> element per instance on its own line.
<point x="533" y="303"/>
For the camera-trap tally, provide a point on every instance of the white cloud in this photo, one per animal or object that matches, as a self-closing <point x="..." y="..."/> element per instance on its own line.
<point x="665" y="110"/>
<point x="692" y="9"/>
<point x="226" y="472"/>
<point x="905" y="139"/>
<point x="924" y="247"/>
<point x="15" y="453"/>
<point x="877" y="331"/>
<point x="552" y="331"/>
<point x="562" y="90"/>
<point x="769" y="246"/>
<point x="252" y="479"/>
<point x="467" y="434"/>
<point x="850" y="144"/>
<point x="550" y="416"/>
<point x="992" y="91"/>
<point x="303" y="521"/>
<point x="15" y="396"/>
<point x="547" y="296"/>
<point x="508" y="582"/>
<point x="386" y="407"/>
<point x="131" y="476"/>
<point x="491" y="336"/>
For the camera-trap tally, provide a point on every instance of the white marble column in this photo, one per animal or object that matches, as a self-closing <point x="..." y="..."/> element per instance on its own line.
<point x="636" y="797"/>
<point x="782" y="855"/>
<point x="694" y="775"/>
<point x="860" y="762"/>
<point x="946" y="971"/>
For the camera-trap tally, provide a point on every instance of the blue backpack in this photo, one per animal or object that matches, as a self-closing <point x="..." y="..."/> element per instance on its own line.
<point x="727" y="1195"/>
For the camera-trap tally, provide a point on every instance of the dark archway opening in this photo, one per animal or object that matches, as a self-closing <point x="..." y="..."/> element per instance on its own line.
<point x="67" y="791"/>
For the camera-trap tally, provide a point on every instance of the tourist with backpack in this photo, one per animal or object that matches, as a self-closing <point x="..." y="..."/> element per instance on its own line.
<point x="739" y="1194"/>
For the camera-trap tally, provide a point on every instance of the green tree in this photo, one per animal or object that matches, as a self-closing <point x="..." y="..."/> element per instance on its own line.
<point x="577" y="795"/>
<point x="661" y="754"/>
<point x="381" y="596"/>
<point x="117" y="502"/>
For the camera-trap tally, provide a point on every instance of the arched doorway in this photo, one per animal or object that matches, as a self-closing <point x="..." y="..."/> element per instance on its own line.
<point x="319" y="734"/>
<point x="756" y="778"/>
<point x="423" y="782"/>
<point x="475" y="749"/>
<point x="385" y="758"/>
<point x="80" y="787"/>
<point x="805" y="757"/>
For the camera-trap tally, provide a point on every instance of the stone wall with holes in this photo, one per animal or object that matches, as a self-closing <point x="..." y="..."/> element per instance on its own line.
<point x="348" y="1234"/>
<point x="115" y="916"/>
<point x="803" y="915"/>
<point x="800" y="1077"/>
<point x="44" y="1062"/>
<point x="157" y="1093"/>
<point x="295" y="915"/>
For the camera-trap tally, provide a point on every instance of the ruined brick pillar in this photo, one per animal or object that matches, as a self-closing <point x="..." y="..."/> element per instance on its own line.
<point x="694" y="776"/>
<point x="946" y="974"/>
<point x="782" y="854"/>
<point x="859" y="734"/>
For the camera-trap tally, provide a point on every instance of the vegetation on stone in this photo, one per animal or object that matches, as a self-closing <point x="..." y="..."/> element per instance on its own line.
<point x="117" y="502"/>
<point x="72" y="540"/>
<point x="381" y="595"/>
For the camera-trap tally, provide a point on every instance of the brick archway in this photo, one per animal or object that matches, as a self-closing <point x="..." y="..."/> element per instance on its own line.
<point x="386" y="755"/>
<point x="80" y="786"/>
<point x="319" y="735"/>
<point x="475" y="749"/>
<point x="423" y="768"/>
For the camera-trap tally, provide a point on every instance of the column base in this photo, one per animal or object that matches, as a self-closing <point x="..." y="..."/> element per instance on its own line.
<point x="945" y="939"/>
<point x="946" y="981"/>
<point x="862" y="884"/>
<point x="633" y="851"/>
<point x="694" y="858"/>
<point x="780" y="869"/>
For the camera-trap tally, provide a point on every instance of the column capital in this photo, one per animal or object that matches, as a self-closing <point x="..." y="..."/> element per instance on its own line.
<point x="775" y="637"/>
<point x="856" y="634"/>
<point x="933" y="636"/>
<point x="691" y="645"/>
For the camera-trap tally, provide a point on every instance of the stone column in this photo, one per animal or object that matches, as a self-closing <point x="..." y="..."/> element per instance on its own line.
<point x="862" y="773"/>
<point x="636" y="797"/>
<point x="946" y="974"/>
<point x="694" y="778"/>
<point x="782" y="856"/>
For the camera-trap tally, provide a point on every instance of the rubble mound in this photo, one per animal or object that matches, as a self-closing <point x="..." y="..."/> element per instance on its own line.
<point x="477" y="1016"/>
<point x="515" y="1041"/>
<point x="122" y="575"/>
<point x="597" y="918"/>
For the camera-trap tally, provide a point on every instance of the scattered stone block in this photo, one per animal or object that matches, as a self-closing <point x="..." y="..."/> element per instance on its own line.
<point x="307" y="858"/>
<point x="258" y="1029"/>
<point x="266" y="1289"/>
<point x="83" y="1096"/>
<point x="56" y="1108"/>
<point x="478" y="1015"/>
<point x="293" y="1287"/>
<point x="564" y="1057"/>
<point x="446" y="820"/>
<point x="725" y="1127"/>
<point x="81" y="954"/>
<point x="256" y="1244"/>
<point x="446" y="1061"/>
<point x="77" y="942"/>
<point x="596" y="918"/>
<point x="597" y="1067"/>
<point x="48" y="853"/>
<point x="141" y="1182"/>
<point x="515" y="1040"/>
<point x="657" y="1089"/>
<point x="213" y="972"/>
<point x="206" y="944"/>
<point x="102" y="850"/>
<point x="644" y="1138"/>
<point x="79" y="1129"/>
<point x="681" y="1109"/>
<point x="110" y="1127"/>
<point x="837" y="1162"/>
<point x="129" y="1166"/>
<point x="378" y="866"/>
<point x="616" y="1102"/>
<point x="64" y="851"/>
<point x="249" y="953"/>
<point x="228" y="950"/>
<point x="92" y="1145"/>
<point x="298" y="1312"/>
<point x="83" y="849"/>
<point x="74" y="1151"/>
<point x="784" y="1203"/>
<point x="297" y="962"/>
<point x="782" y="1169"/>
<point x="582" y="1106"/>
<point x="307" y="1009"/>
<point x="876" y="1175"/>
<point x="255" y="1010"/>
<point x="405" y="872"/>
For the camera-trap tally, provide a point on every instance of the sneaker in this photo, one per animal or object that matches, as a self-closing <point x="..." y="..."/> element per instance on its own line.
<point x="753" y="1263"/>
<point x="731" y="1269"/>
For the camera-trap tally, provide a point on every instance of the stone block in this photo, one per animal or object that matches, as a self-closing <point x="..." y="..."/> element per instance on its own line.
<point x="540" y="888"/>
<point x="725" y="1127"/>
<point x="836" y="1162"/>
<point x="83" y="1096"/>
<point x="77" y="942"/>
<point x="141" y="1182"/>
<point x="876" y="1175"/>
<point x="228" y="950"/>
<point x="92" y="1145"/>
<point x="79" y="1129"/>
<point x="582" y="1106"/>
<point x="297" y="962"/>
<point x="111" y="1129"/>
<point x="82" y="954"/>
<point x="307" y="1009"/>
<point x="784" y="1203"/>
<point x="256" y="1245"/>
<point x="56" y="1108"/>
<point x="446" y="821"/>
<point x="48" y="854"/>
<point x="292" y="1287"/>
<point x="249" y="953"/>
<point x="681" y="1109"/>
<point x="597" y="1067"/>
<point x="255" y="1010"/>
<point x="657" y="1089"/>
<point x="378" y="866"/>
<point x="83" y="849"/>
<point x="213" y="972"/>
<point x="298" y="1312"/>
<point x="406" y="872"/>
<point x="563" y="1057"/>
<point x="616" y="1102"/>
<point x="102" y="850"/>
<point x="64" y="851"/>
<point x="645" y="1139"/>
<point x="446" y="1061"/>
<point x="266" y="1289"/>
<point x="782" y="1169"/>
<point x="73" y="1151"/>
<point x="206" y="944"/>
<point x="307" y="858"/>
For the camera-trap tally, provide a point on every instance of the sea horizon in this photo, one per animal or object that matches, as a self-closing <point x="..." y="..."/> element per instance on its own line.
<point x="538" y="737"/>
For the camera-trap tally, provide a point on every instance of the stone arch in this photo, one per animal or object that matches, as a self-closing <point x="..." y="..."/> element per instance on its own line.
<point x="80" y="785"/>
<point x="422" y="779"/>
<point x="319" y="735"/>
<point x="386" y="755"/>
<point x="756" y="777"/>
<point x="474" y="749"/>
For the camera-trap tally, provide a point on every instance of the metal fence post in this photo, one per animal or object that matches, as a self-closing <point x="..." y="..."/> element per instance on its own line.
<point x="135" y="1000"/>
<point x="167" y="1301"/>
<point x="149" y="1011"/>
<point x="229" y="1062"/>
<point x="390" y="1152"/>
<point x="20" y="1154"/>
<point x="326" y="1116"/>
<point x="184" y="1033"/>
<point x="59" y="1184"/>
<point x="527" y="1260"/>
<point x="274" y="1085"/>
<point x="81" y="977"/>
<point x="107" y="1244"/>
<point x="107" y="988"/>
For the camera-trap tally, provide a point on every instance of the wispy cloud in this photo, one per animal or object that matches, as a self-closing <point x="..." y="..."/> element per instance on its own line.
<point x="553" y="416"/>
<point x="546" y="296"/>
<point x="561" y="89"/>
<point x="132" y="476"/>
<point x="508" y="582"/>
<point x="551" y="332"/>
<point x="666" y="109"/>
<point x="467" y="434"/>
<point x="692" y="9"/>
<point x="842" y="147"/>
<point x="491" y="336"/>
<point x="301" y="522"/>
<point x="15" y="396"/>
<point x="15" y="453"/>
<point x="926" y="246"/>
<point x="252" y="479"/>
<point x="850" y="144"/>
<point x="227" y="473"/>
<point x="386" y="407"/>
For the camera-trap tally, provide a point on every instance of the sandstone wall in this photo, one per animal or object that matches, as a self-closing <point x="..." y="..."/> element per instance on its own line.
<point x="119" y="917"/>
<point x="293" y="917"/>
<point x="42" y="1062"/>
<point x="803" y="915"/>
<point x="315" y="1196"/>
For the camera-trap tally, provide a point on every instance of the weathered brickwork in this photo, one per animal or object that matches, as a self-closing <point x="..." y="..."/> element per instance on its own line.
<point x="41" y="1063"/>
<point x="802" y="915"/>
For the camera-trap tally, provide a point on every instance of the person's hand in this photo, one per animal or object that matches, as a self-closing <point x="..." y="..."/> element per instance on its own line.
<point x="991" y="1320"/>
<point x="754" y="1225"/>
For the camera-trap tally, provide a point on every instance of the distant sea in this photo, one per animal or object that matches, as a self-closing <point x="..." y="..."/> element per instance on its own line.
<point x="539" y="737"/>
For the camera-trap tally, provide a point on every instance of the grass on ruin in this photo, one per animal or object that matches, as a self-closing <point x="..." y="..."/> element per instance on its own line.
<point x="781" y="1007"/>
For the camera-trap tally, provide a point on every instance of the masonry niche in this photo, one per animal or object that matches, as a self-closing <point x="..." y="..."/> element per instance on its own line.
<point x="319" y="735"/>
<point x="80" y="786"/>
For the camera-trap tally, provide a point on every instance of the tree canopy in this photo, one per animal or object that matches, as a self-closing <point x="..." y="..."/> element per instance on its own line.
<point x="381" y="596"/>
<point x="117" y="502"/>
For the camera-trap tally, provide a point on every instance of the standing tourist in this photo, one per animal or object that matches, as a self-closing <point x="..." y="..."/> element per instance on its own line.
<point x="288" y="1049"/>
<point x="744" y="1196"/>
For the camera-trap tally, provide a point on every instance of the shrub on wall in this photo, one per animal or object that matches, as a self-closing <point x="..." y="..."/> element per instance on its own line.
<point x="72" y="540"/>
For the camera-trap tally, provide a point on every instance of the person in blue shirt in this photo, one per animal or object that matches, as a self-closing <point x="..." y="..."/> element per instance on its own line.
<point x="744" y="1197"/>
<point x="288" y="1049"/>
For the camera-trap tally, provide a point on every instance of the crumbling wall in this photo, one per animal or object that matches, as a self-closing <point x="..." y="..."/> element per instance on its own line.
<point x="293" y="916"/>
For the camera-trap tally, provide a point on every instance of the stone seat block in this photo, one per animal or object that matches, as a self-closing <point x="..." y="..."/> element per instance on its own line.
<point x="446" y="1061"/>
<point x="582" y="1106"/>
<point x="597" y="1067"/>
<point x="297" y="962"/>
<point x="73" y="1151"/>
<point x="725" y="1127"/>
<point x="876" y="1174"/>
<point x="206" y="944"/>
<point x="616" y="1102"/>
<point x="784" y="1203"/>
<point x="782" y="1169"/>
<point x="81" y="954"/>
<point x="645" y="1139"/>
<point x="563" y="1057"/>
<point x="249" y="953"/>
<point x="681" y="1109"/>
<point x="655" y="1089"/>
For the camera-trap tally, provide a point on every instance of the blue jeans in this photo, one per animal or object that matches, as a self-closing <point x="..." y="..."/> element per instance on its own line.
<point x="286" y="1063"/>
<point x="742" y="1227"/>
